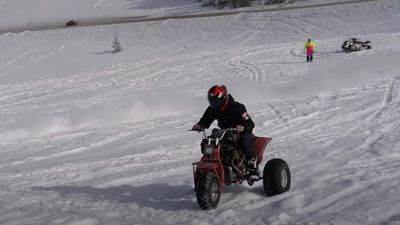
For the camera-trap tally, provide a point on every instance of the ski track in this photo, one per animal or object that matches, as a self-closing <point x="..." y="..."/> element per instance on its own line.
<point x="18" y="57"/>
<point x="100" y="3"/>
<point x="233" y="41"/>
<point x="33" y="61"/>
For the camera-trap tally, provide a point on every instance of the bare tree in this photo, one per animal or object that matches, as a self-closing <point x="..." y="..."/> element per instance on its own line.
<point x="116" y="45"/>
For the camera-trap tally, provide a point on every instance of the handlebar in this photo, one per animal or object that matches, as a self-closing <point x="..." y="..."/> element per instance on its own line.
<point x="220" y="135"/>
<point x="223" y="130"/>
<point x="196" y="130"/>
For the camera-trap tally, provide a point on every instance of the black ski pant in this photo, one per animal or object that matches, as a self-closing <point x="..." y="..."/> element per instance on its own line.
<point x="309" y="58"/>
<point x="246" y="144"/>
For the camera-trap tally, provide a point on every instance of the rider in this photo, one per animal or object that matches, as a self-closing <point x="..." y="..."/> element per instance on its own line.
<point x="230" y="113"/>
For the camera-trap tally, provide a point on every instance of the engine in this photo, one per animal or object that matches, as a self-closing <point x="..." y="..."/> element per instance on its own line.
<point x="232" y="157"/>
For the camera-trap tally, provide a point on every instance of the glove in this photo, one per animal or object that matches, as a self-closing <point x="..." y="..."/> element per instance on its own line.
<point x="240" y="128"/>
<point x="197" y="127"/>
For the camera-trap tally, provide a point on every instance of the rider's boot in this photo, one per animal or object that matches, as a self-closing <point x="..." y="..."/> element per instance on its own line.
<point x="253" y="173"/>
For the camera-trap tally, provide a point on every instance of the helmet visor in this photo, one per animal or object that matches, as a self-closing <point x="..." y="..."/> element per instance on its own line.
<point x="216" y="103"/>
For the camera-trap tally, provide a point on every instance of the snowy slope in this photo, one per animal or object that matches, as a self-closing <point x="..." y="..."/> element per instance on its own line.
<point x="89" y="137"/>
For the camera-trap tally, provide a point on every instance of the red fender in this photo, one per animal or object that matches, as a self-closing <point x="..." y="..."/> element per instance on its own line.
<point x="213" y="165"/>
<point x="260" y="143"/>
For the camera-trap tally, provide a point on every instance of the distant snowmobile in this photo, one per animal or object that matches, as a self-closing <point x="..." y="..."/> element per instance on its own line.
<point x="355" y="44"/>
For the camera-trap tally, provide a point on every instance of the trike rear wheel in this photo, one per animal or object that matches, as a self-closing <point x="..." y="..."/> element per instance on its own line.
<point x="276" y="177"/>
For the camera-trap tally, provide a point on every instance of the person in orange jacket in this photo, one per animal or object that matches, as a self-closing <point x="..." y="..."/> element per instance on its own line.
<point x="309" y="48"/>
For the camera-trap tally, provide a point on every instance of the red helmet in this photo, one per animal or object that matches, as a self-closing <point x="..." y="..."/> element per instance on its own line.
<point x="218" y="97"/>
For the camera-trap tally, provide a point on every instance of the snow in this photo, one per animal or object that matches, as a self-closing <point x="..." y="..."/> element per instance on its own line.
<point x="91" y="137"/>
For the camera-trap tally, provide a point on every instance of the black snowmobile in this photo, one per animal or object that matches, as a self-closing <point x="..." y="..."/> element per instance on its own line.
<point x="355" y="44"/>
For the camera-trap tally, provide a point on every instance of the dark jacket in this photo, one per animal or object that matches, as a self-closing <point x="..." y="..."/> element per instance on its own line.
<point x="234" y="114"/>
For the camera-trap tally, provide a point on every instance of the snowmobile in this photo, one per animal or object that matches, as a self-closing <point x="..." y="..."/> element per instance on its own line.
<point x="355" y="44"/>
<point x="223" y="163"/>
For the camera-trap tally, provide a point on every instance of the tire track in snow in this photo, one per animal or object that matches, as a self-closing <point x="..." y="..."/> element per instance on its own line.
<point x="100" y="2"/>
<point x="105" y="141"/>
<point x="346" y="189"/>
<point x="131" y="168"/>
<point x="237" y="37"/>
<point x="397" y="98"/>
<point x="334" y="117"/>
<point x="295" y="109"/>
<point x="277" y="112"/>
<point x="18" y="57"/>
<point x="380" y="23"/>
<point x="294" y="52"/>
<point x="389" y="96"/>
<point x="389" y="106"/>
<point x="33" y="61"/>
<point x="255" y="73"/>
<point x="312" y="26"/>
<point x="350" y="144"/>
<point x="309" y="197"/>
<point x="238" y="61"/>
<point x="256" y="31"/>
<point x="183" y="47"/>
<point x="295" y="27"/>
<point x="395" y="89"/>
<point x="159" y="162"/>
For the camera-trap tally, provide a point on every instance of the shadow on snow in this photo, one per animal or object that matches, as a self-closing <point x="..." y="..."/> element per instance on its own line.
<point x="157" y="196"/>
